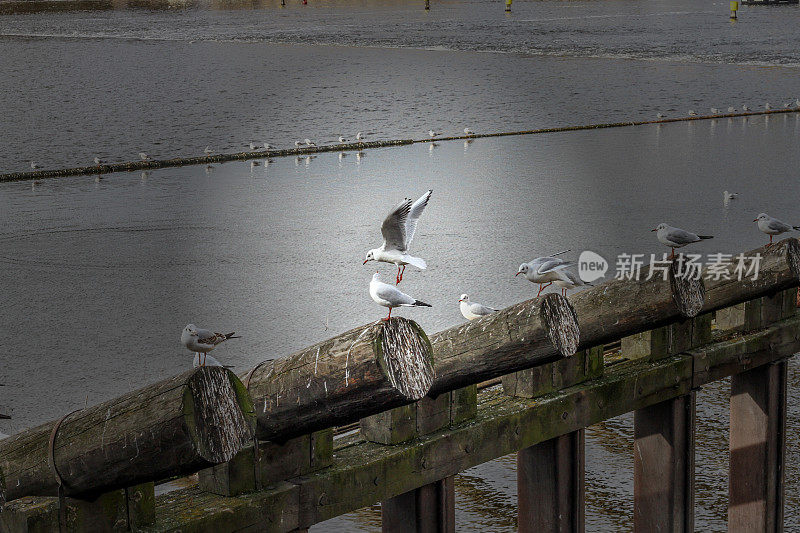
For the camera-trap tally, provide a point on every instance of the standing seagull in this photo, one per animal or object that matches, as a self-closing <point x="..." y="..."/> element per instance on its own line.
<point x="390" y="296"/>
<point x="676" y="237"/>
<point x="543" y="270"/>
<point x="35" y="165"/>
<point x="433" y="134"/>
<point x="342" y="139"/>
<point x="398" y="231"/>
<point x="767" y="106"/>
<point x="208" y="150"/>
<point x="692" y="113"/>
<point x="360" y="136"/>
<point x="772" y="226"/>
<point x="268" y="146"/>
<point x="202" y="340"/>
<point x="468" y="131"/>
<point x="143" y="156"/>
<point x="98" y="161"/>
<point x="471" y="310"/>
<point x="309" y="143"/>
<point x="569" y="280"/>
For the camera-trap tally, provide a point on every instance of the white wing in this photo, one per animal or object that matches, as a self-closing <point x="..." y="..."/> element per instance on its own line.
<point x="478" y="309"/>
<point x="777" y="225"/>
<point x="394" y="227"/>
<point x="548" y="264"/>
<point x="393" y="295"/>
<point x="680" y="236"/>
<point x="413" y="216"/>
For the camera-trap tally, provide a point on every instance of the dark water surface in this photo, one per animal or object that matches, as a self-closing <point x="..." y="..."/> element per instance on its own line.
<point x="99" y="276"/>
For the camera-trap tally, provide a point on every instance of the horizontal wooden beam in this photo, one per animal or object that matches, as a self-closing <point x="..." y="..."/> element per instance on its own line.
<point x="174" y="427"/>
<point x="364" y="473"/>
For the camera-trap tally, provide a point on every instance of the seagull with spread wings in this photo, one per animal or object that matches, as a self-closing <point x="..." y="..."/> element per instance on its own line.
<point x="398" y="231"/>
<point x="202" y="340"/>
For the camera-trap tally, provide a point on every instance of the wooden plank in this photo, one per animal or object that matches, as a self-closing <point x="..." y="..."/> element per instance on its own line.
<point x="550" y="485"/>
<point x="757" y="446"/>
<point x="544" y="379"/>
<point x="338" y="381"/>
<point x="663" y="466"/>
<point x="428" y="509"/>
<point x="175" y="427"/>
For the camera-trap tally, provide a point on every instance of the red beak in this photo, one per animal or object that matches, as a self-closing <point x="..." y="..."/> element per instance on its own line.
<point x="755" y="220"/>
<point x="365" y="261"/>
<point x="517" y="274"/>
<point x="654" y="229"/>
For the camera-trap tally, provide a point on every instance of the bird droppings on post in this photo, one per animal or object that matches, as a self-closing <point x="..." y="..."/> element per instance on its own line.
<point x="561" y="323"/>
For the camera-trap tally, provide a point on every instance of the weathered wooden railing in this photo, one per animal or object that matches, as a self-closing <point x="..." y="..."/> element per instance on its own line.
<point x="423" y="421"/>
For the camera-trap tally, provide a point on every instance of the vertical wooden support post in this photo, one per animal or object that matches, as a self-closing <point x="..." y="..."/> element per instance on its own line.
<point x="663" y="466"/>
<point x="430" y="508"/>
<point x="757" y="446"/>
<point x="550" y="485"/>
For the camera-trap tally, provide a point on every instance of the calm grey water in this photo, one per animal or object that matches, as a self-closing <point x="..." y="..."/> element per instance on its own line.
<point x="99" y="276"/>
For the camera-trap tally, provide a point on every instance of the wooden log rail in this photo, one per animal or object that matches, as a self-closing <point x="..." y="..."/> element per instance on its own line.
<point x="384" y="365"/>
<point x="129" y="166"/>
<point x="174" y="427"/>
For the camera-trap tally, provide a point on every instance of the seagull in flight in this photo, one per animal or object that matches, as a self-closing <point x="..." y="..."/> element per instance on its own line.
<point x="398" y="231"/>
<point x="676" y="237"/>
<point x="772" y="226"/>
<point x="202" y="340"/>
<point x="390" y="296"/>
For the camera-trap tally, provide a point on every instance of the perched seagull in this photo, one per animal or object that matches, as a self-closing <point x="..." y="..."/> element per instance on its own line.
<point x="309" y="143"/>
<point x="660" y="115"/>
<point x="692" y="113"/>
<point x="206" y="360"/>
<point x="471" y="310"/>
<point x="676" y="237"/>
<point x="731" y="109"/>
<point x="360" y="136"/>
<point x="298" y="144"/>
<point x="143" y="156"/>
<point x="98" y="161"/>
<point x="208" y="150"/>
<point x="728" y="196"/>
<point x="202" y="340"/>
<point x="772" y="226"/>
<point x="398" y="231"/>
<point x="468" y="131"/>
<point x="745" y="108"/>
<point x="342" y="139"/>
<point x="433" y="134"/>
<point x="543" y="270"/>
<point x="253" y="146"/>
<point x="35" y="165"/>
<point x="569" y="280"/>
<point x="714" y="111"/>
<point x="268" y="146"/>
<point x="787" y="105"/>
<point x="767" y="106"/>
<point x="390" y="296"/>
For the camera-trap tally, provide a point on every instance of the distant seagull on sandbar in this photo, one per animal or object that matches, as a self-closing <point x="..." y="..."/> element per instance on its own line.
<point x="98" y="161"/>
<point x="360" y="136"/>
<point x="731" y="109"/>
<point x="35" y="165"/>
<point x="676" y="237"/>
<point x="692" y="113"/>
<point x="745" y="108"/>
<point x="202" y="340"/>
<point x="398" y="231"/>
<point x="767" y="106"/>
<point x="143" y="156"/>
<point x="253" y="146"/>
<point x="660" y="115"/>
<point x="433" y="134"/>
<point x="208" y="150"/>
<point x="309" y="143"/>
<point x="390" y="296"/>
<point x="714" y="111"/>
<point x="772" y="226"/>
<point x="342" y="139"/>
<point x="268" y="146"/>
<point x="473" y="310"/>
<point x="468" y="131"/>
<point x="544" y="270"/>
<point x="298" y="143"/>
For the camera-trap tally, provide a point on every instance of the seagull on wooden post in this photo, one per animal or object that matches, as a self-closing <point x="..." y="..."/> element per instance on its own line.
<point x="398" y="231"/>
<point x="473" y="310"/>
<point x="544" y="270"/>
<point x="390" y="296"/>
<point x="676" y="237"/>
<point x="202" y="340"/>
<point x="772" y="226"/>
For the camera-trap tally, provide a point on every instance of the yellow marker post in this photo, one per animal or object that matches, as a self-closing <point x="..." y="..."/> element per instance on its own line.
<point x="734" y="8"/>
<point x="508" y="6"/>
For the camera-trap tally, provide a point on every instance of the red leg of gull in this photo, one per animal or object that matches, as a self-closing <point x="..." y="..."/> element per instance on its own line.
<point x="397" y="276"/>
<point x="390" y="315"/>
<point x="402" y="273"/>
<point x="543" y="287"/>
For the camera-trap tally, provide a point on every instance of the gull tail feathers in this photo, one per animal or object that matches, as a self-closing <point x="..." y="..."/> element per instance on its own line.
<point x="421" y="304"/>
<point x="703" y="237"/>
<point x="416" y="261"/>
<point x="796" y="227"/>
<point x="232" y="335"/>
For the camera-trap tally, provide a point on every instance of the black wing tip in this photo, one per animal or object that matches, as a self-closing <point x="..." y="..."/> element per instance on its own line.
<point x="232" y="335"/>
<point x="420" y="303"/>
<point x="796" y="227"/>
<point x="706" y="236"/>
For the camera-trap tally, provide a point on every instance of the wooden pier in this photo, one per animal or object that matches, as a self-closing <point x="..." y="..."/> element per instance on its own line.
<point x="274" y="465"/>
